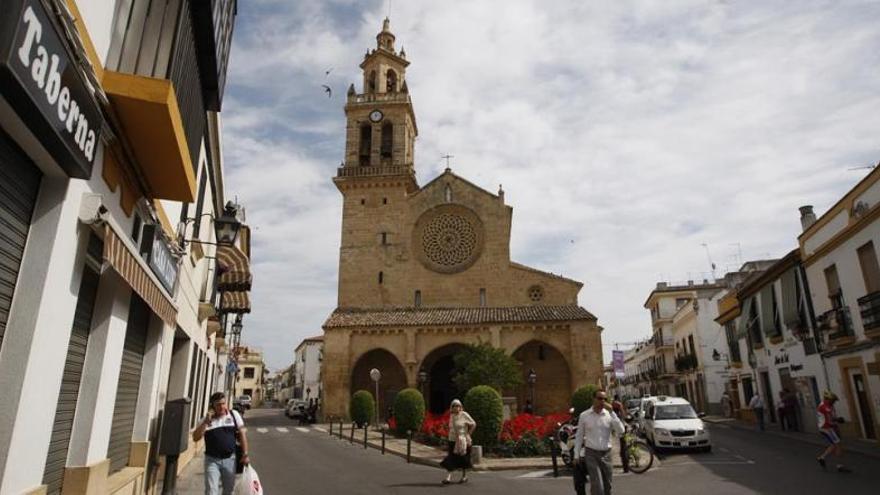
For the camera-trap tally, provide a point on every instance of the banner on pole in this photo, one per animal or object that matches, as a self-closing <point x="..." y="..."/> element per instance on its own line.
<point x="617" y="363"/>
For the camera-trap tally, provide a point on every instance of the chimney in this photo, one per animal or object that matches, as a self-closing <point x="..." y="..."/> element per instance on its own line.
<point x="808" y="218"/>
<point x="662" y="285"/>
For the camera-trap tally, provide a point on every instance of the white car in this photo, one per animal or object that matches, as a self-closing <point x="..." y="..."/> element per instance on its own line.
<point x="671" y="423"/>
<point x="295" y="408"/>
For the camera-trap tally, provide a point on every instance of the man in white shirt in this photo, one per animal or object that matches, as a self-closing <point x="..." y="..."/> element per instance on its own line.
<point x="592" y="446"/>
<point x="757" y="407"/>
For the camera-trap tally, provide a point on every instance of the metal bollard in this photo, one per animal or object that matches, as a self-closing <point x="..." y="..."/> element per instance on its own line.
<point x="383" y="440"/>
<point x="341" y="426"/>
<point x="351" y="438"/>
<point x="408" y="445"/>
<point x="366" y="429"/>
<point x="331" y="427"/>
<point x="555" y="464"/>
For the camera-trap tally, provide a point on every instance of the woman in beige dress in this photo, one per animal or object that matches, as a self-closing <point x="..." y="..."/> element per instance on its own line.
<point x="461" y="425"/>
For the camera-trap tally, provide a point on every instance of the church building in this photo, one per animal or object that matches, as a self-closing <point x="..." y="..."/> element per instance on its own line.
<point x="425" y="270"/>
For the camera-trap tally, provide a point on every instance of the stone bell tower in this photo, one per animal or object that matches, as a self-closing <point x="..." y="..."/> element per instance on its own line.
<point x="376" y="176"/>
<point x="381" y="125"/>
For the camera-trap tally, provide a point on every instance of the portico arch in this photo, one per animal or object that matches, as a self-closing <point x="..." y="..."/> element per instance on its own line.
<point x="393" y="377"/>
<point x="552" y="389"/>
<point x="439" y="365"/>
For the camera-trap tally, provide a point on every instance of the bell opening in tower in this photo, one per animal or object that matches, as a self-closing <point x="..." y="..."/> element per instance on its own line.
<point x="387" y="141"/>
<point x="366" y="144"/>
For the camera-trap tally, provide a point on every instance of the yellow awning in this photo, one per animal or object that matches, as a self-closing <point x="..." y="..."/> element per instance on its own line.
<point x="148" y="112"/>
<point x="234" y="269"/>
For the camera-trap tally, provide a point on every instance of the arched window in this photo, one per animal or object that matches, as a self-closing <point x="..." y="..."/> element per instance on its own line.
<point x="387" y="140"/>
<point x="371" y="82"/>
<point x="391" y="82"/>
<point x="366" y="145"/>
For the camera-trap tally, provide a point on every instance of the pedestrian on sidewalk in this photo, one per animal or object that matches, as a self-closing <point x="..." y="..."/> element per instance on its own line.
<point x="221" y="429"/>
<point x="780" y="411"/>
<point x="592" y="446"/>
<point x="757" y="407"/>
<point x="828" y="428"/>
<point x="461" y="426"/>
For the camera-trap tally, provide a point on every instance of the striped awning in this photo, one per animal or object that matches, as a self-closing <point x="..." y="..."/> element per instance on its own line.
<point x="234" y="302"/>
<point x="133" y="269"/>
<point x="234" y="269"/>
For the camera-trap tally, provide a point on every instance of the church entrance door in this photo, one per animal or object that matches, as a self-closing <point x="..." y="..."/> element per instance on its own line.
<point x="441" y="389"/>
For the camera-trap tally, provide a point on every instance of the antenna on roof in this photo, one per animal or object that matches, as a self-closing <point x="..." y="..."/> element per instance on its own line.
<point x="863" y="167"/>
<point x="709" y="256"/>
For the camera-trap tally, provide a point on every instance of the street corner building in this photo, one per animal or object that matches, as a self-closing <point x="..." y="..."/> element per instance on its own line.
<point x="425" y="270"/>
<point x="121" y="265"/>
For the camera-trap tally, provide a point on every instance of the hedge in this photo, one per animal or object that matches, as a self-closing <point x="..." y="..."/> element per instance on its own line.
<point x="583" y="398"/>
<point x="409" y="410"/>
<point x="362" y="408"/>
<point x="484" y="404"/>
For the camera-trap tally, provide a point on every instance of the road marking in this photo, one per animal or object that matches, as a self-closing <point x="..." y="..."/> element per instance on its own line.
<point x="304" y="430"/>
<point x="281" y="429"/>
<point x="536" y="474"/>
<point x="748" y="461"/>
<point x="263" y="430"/>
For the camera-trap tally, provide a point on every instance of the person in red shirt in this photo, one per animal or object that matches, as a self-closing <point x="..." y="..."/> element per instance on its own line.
<point x="827" y="421"/>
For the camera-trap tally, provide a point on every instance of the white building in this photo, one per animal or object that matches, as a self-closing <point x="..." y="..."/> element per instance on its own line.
<point x="307" y="362"/>
<point x="839" y="254"/>
<point x="104" y="312"/>
<point x="770" y="344"/>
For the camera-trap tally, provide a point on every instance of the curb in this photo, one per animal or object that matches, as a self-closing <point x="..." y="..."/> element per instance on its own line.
<point x="848" y="447"/>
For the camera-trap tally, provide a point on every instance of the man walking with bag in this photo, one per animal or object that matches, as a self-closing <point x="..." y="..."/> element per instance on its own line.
<point x="221" y="429"/>
<point x="592" y="446"/>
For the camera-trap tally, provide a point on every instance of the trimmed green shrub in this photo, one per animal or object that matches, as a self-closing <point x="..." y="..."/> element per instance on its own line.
<point x="583" y="398"/>
<point x="409" y="410"/>
<point x="484" y="404"/>
<point x="483" y="364"/>
<point x="362" y="408"/>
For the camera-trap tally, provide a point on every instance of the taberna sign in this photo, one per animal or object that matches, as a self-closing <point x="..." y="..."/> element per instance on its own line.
<point x="39" y="78"/>
<point x="159" y="257"/>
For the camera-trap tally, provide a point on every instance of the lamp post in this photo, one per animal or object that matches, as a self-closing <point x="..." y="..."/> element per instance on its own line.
<point x="423" y="380"/>
<point x="376" y="375"/>
<point x="236" y="338"/>
<point x="532" y="377"/>
<point x="227" y="226"/>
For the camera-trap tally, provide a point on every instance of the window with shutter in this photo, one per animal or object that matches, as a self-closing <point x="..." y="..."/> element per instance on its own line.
<point x="870" y="268"/>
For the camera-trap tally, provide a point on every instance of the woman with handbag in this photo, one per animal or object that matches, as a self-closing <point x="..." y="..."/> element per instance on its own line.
<point x="461" y="425"/>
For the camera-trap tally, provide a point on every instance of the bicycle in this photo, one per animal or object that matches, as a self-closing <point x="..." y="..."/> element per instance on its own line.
<point x="638" y="452"/>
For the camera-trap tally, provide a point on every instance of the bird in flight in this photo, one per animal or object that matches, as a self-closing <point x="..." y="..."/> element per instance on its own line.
<point x="327" y="90"/>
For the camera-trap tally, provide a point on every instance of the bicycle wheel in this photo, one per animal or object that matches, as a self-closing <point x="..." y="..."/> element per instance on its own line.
<point x="641" y="457"/>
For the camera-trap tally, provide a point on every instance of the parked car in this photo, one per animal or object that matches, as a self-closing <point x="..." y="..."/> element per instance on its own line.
<point x="244" y="401"/>
<point x="672" y="423"/>
<point x="296" y="408"/>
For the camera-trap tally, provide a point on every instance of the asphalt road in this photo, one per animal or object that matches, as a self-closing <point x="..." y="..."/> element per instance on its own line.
<point x="298" y="460"/>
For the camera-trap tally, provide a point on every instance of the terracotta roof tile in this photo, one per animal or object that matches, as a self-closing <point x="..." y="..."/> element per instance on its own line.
<point x="454" y="316"/>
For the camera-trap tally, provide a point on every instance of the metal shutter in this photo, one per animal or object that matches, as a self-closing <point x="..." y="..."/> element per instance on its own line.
<point x="129" y="383"/>
<point x="53" y="474"/>
<point x="19" y="185"/>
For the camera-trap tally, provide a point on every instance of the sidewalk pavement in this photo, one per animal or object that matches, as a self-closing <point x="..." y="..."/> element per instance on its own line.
<point x="864" y="447"/>
<point x="431" y="456"/>
<point x="191" y="480"/>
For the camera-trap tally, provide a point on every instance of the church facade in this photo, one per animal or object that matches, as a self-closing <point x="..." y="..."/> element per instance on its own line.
<point x="425" y="270"/>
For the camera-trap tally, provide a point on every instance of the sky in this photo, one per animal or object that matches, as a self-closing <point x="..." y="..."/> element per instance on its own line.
<point x="635" y="140"/>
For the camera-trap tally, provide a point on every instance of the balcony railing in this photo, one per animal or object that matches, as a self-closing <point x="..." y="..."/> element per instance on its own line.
<point x="663" y="341"/>
<point x="836" y="323"/>
<point x="869" y="308"/>
<point x="380" y="98"/>
<point x="374" y="171"/>
<point x="686" y="362"/>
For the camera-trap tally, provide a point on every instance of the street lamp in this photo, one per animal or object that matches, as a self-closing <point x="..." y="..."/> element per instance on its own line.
<point x="227" y="226"/>
<point x="423" y="380"/>
<point x="532" y="377"/>
<point x="376" y="375"/>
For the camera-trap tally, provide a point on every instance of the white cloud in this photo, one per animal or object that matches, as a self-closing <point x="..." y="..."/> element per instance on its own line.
<point x="638" y="130"/>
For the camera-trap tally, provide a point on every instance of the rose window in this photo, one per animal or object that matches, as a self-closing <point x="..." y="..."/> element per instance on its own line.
<point x="536" y="293"/>
<point x="450" y="238"/>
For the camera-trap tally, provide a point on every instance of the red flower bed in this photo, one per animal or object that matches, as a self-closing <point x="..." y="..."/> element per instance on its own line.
<point x="436" y="425"/>
<point x="537" y="426"/>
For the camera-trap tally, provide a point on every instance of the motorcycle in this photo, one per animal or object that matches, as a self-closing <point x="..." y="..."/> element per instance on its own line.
<point x="565" y="436"/>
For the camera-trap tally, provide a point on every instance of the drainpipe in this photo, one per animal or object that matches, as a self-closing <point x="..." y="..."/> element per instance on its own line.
<point x="812" y="316"/>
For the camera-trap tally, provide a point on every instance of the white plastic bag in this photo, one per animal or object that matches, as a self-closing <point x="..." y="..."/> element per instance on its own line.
<point x="249" y="483"/>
